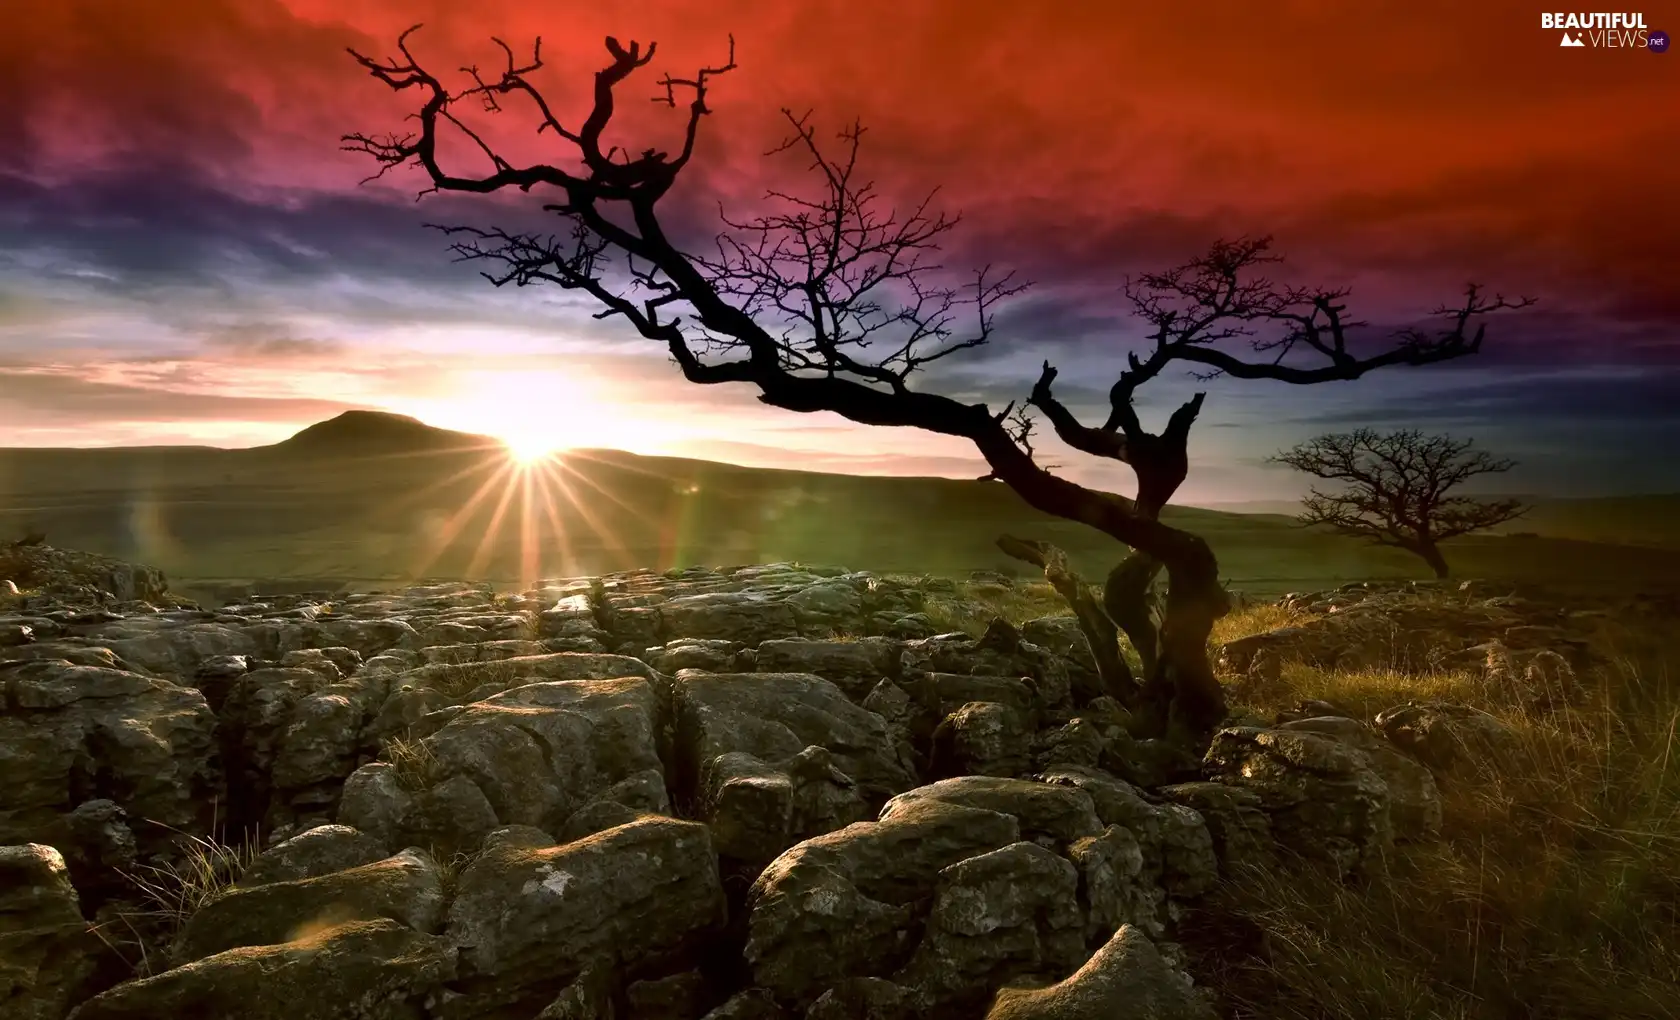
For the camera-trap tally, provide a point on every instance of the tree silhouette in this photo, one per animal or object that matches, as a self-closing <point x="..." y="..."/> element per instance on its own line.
<point x="1396" y="489"/>
<point x="832" y="301"/>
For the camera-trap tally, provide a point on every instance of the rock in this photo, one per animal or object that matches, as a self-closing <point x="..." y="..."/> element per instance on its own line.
<point x="1236" y="820"/>
<point x="841" y="905"/>
<point x="1113" y="886"/>
<point x="1061" y="636"/>
<point x="739" y="738"/>
<point x="169" y="649"/>
<point x="69" y="734"/>
<point x="1324" y="799"/>
<point x="1178" y="850"/>
<point x="458" y="679"/>
<point x="999" y="654"/>
<point x="319" y="851"/>
<point x="936" y="695"/>
<point x="44" y="567"/>
<point x="527" y="919"/>
<point x="981" y="738"/>
<point x="1448" y="737"/>
<point x="694" y="653"/>
<point x="730" y="616"/>
<point x="1052" y="815"/>
<point x="996" y="916"/>
<point x="317" y="661"/>
<point x="749" y="1004"/>
<point x="407" y="888"/>
<point x="1126" y="977"/>
<point x="519" y="836"/>
<point x="535" y="754"/>
<point x="100" y="838"/>
<point x="589" y="997"/>
<point x="1414" y="801"/>
<point x="865" y="998"/>
<point x="855" y="666"/>
<point x="46" y="949"/>
<point x="1079" y="742"/>
<point x="1313" y="708"/>
<point x="481" y="651"/>
<point x="673" y="997"/>
<point x="368" y="970"/>
<point x="545" y="771"/>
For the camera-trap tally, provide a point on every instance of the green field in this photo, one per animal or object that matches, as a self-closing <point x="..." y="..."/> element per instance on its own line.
<point x="368" y="499"/>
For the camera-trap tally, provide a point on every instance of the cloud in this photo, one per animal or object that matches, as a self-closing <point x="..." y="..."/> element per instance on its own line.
<point x="173" y="199"/>
<point x="40" y="398"/>
<point x="1631" y="398"/>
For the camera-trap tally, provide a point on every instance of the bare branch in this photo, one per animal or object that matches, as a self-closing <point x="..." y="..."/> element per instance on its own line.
<point x="831" y="298"/>
<point x="1396" y="487"/>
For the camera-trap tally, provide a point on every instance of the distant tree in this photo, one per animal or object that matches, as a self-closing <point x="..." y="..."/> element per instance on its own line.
<point x="1397" y="486"/>
<point x="828" y="302"/>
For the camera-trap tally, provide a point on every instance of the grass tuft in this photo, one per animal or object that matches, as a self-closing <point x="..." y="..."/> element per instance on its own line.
<point x="170" y="893"/>
<point x="412" y="762"/>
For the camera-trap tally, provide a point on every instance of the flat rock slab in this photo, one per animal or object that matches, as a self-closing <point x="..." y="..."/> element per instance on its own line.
<point x="369" y="970"/>
<point x="407" y="888"/>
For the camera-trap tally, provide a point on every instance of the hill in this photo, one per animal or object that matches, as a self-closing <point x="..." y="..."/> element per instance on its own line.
<point x="1649" y="520"/>
<point x="367" y="498"/>
<point x="366" y="433"/>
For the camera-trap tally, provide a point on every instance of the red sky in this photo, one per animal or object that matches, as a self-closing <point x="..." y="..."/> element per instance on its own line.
<point x="1402" y="148"/>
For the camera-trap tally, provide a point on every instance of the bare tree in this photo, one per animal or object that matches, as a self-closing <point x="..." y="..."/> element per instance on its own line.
<point x="1396" y="489"/>
<point x="833" y="300"/>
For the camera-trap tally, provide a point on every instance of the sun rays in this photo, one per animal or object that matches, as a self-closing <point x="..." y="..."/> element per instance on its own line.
<point x="530" y="514"/>
<point x="541" y="492"/>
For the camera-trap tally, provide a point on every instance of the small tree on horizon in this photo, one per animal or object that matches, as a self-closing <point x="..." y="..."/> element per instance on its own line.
<point x="829" y="302"/>
<point x="1396" y="489"/>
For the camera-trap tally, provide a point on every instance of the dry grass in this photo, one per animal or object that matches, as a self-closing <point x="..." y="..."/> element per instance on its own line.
<point x="169" y="894"/>
<point x="1254" y="619"/>
<point x="456" y="680"/>
<point x="1554" y="891"/>
<point x="451" y="863"/>
<point x="412" y="762"/>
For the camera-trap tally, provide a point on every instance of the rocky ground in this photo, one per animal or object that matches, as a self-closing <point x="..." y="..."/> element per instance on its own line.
<point x="763" y="792"/>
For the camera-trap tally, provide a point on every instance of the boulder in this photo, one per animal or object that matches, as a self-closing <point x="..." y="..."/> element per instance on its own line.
<point x="46" y="949"/>
<point x="527" y="919"/>
<point x="530" y="756"/>
<point x="1324" y="798"/>
<point x="69" y="734"/>
<point x="365" y="970"/>
<point x="1127" y="977"/>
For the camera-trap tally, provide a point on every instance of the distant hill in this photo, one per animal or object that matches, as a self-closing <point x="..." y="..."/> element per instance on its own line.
<point x="1652" y="520"/>
<point x="371" y="497"/>
<point x="1649" y="520"/>
<point x="363" y="433"/>
<point x="1276" y="507"/>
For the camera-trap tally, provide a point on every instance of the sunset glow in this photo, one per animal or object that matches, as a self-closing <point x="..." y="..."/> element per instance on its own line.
<point x="187" y="255"/>
<point x="534" y="413"/>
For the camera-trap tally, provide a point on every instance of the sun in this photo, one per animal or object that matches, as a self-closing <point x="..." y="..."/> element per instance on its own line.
<point x="528" y="450"/>
<point x="534" y="414"/>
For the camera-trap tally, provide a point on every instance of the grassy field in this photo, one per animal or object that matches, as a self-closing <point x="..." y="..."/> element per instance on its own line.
<point x="1554" y="891"/>
<point x="370" y="501"/>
